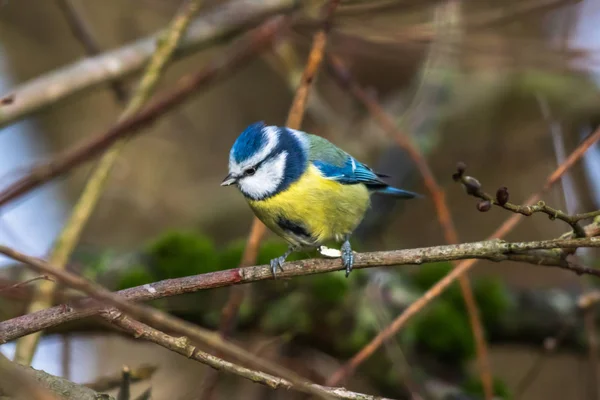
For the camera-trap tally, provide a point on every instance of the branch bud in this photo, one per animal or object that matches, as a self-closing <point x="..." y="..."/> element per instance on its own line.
<point x="502" y="195"/>
<point x="472" y="185"/>
<point x="460" y="170"/>
<point x="484" y="205"/>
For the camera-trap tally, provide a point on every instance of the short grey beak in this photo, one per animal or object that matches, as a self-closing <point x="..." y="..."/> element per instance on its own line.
<point x="229" y="180"/>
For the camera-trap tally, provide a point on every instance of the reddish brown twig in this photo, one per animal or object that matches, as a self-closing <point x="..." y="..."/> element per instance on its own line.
<point x="258" y="229"/>
<point x="344" y="78"/>
<point x="248" y="47"/>
<point x="462" y="268"/>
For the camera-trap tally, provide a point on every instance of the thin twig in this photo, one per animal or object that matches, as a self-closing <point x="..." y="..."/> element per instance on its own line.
<point x="493" y="250"/>
<point x="69" y="235"/>
<point x="215" y="26"/>
<point x="473" y="188"/>
<point x="125" y="384"/>
<point x="461" y="269"/>
<point x="104" y="384"/>
<point x="24" y="283"/>
<point x="83" y="32"/>
<point x="240" y="53"/>
<point x="443" y="214"/>
<point x="258" y="229"/>
<point x="182" y="346"/>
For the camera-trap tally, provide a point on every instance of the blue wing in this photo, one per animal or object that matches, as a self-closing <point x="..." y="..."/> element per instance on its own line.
<point x="337" y="165"/>
<point x="353" y="172"/>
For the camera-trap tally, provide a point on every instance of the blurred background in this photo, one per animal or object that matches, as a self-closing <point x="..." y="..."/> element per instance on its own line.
<point x="508" y="87"/>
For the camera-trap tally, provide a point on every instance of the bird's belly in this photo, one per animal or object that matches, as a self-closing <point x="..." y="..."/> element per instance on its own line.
<point x="314" y="210"/>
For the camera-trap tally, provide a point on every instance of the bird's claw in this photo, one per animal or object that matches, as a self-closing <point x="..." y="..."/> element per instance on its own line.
<point x="347" y="257"/>
<point x="277" y="263"/>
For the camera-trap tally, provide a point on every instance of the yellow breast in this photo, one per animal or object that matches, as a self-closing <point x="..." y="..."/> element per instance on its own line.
<point x="324" y="208"/>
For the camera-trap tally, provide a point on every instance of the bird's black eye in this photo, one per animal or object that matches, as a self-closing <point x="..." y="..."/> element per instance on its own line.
<point x="250" y="171"/>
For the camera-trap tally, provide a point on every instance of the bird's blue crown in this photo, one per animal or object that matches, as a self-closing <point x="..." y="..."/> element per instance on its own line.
<point x="258" y="146"/>
<point x="250" y="141"/>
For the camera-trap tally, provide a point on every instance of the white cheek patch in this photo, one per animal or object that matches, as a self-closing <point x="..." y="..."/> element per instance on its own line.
<point x="272" y="135"/>
<point x="267" y="178"/>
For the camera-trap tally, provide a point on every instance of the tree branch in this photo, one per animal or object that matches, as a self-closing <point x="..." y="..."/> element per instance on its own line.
<point x="69" y="235"/>
<point x="464" y="266"/>
<point x="493" y="250"/>
<point x="345" y="80"/>
<point x="242" y="51"/>
<point x="83" y="32"/>
<point x="16" y="383"/>
<point x="182" y="346"/>
<point x="163" y="320"/>
<point x="501" y="199"/>
<point x="217" y="25"/>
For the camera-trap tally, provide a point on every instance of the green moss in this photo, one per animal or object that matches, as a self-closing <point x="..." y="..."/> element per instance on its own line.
<point x="231" y="255"/>
<point x="288" y="313"/>
<point x="429" y="274"/>
<point x="493" y="301"/>
<point x="490" y="294"/>
<point x="329" y="288"/>
<point x="474" y="387"/>
<point x="364" y="328"/>
<point x="135" y="276"/>
<point x="443" y="330"/>
<point x="357" y="339"/>
<point x="177" y="254"/>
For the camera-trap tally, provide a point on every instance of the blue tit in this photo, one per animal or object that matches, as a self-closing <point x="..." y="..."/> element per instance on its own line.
<point x="303" y="187"/>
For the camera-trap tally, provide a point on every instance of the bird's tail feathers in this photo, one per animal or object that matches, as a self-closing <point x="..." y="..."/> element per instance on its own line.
<point x="402" y="194"/>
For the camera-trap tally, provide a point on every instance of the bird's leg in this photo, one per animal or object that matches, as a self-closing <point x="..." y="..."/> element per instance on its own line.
<point x="347" y="256"/>
<point x="277" y="263"/>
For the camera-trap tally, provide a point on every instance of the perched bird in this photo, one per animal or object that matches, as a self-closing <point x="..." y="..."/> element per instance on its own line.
<point x="303" y="187"/>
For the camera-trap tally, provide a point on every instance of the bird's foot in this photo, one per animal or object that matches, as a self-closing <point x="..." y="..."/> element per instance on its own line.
<point x="277" y="263"/>
<point x="347" y="257"/>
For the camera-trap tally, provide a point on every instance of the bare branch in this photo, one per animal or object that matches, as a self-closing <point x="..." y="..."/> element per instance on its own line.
<point x="218" y="25"/>
<point x="107" y="383"/>
<point x="466" y="265"/>
<point x="162" y="320"/>
<point x="25" y="283"/>
<point x="345" y="80"/>
<point x="69" y="235"/>
<point x="493" y="250"/>
<point x="15" y="382"/>
<point x="501" y="199"/>
<point x="242" y="51"/>
<point x="83" y="32"/>
<point x="183" y="347"/>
